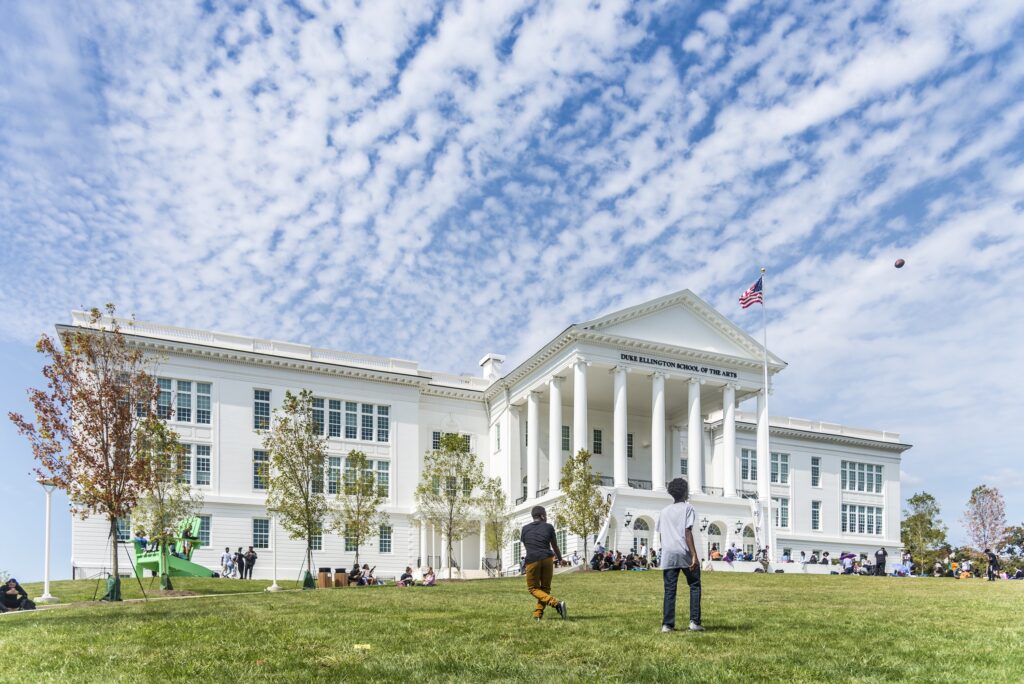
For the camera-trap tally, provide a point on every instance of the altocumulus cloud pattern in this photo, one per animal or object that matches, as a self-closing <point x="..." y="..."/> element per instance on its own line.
<point x="434" y="181"/>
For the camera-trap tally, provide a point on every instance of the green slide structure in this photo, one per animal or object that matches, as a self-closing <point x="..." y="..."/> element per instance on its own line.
<point x="174" y="559"/>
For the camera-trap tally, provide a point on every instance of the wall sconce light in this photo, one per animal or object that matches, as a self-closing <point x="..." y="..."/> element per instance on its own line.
<point x="629" y="518"/>
<point x="739" y="526"/>
<point x="703" y="524"/>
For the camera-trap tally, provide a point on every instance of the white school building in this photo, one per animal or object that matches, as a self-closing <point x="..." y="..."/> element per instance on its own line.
<point x="652" y="391"/>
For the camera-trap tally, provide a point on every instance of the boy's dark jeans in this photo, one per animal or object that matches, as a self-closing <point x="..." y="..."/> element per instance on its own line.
<point x="671" y="577"/>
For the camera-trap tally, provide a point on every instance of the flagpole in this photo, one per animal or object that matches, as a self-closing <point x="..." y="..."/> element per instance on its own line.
<point x="770" y="542"/>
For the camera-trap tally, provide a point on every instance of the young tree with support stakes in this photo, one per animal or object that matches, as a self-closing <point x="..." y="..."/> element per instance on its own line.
<point x="444" y="495"/>
<point x="358" y="516"/>
<point x="496" y="515"/>
<point x="170" y="498"/>
<point x="583" y="508"/>
<point x="985" y="518"/>
<point x="922" y="532"/>
<point x="297" y="452"/>
<point x="88" y="435"/>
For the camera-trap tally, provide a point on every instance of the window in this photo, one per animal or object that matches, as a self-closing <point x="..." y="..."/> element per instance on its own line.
<point x="351" y="419"/>
<point x="748" y="464"/>
<point x="334" y="418"/>
<point x="560" y="537"/>
<point x="366" y="434"/>
<point x="383" y="478"/>
<point x="203" y="403"/>
<point x="780" y="468"/>
<point x="185" y="465"/>
<point x="350" y="543"/>
<point x="383" y="423"/>
<point x="202" y="464"/>
<point x="780" y="512"/>
<point x="384" y="539"/>
<point x="261" y="533"/>
<point x="260" y="466"/>
<point x="517" y="548"/>
<point x="316" y="542"/>
<point x="184" y="410"/>
<point x="815" y="471"/>
<point x="861" y="477"/>
<point x="684" y="467"/>
<point x="204" y="530"/>
<point x="333" y="474"/>
<point x="261" y="410"/>
<point x="598" y="442"/>
<point x="435" y="441"/>
<point x="565" y="438"/>
<point x="318" y="416"/>
<point x="124" y="528"/>
<point x="163" y="399"/>
<point x="857" y="519"/>
<point x="629" y="445"/>
<point x="316" y="481"/>
<point x="815" y="515"/>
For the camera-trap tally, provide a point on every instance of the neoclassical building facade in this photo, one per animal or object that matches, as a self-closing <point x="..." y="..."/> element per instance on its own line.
<point x="652" y="391"/>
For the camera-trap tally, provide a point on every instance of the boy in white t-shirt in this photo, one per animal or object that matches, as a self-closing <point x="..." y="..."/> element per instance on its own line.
<point x="679" y="554"/>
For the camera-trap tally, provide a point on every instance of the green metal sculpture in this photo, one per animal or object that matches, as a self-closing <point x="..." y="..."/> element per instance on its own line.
<point x="173" y="554"/>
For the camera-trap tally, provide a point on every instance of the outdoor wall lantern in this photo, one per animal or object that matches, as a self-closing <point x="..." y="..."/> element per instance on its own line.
<point x="629" y="518"/>
<point x="739" y="526"/>
<point x="703" y="524"/>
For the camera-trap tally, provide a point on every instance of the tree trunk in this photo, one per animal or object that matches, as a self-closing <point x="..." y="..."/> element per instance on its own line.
<point x="114" y="583"/>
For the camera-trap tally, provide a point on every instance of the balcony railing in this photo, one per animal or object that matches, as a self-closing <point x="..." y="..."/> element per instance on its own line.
<point x="714" y="491"/>
<point x="640" y="484"/>
<point x="542" y="491"/>
<point x="521" y="499"/>
<point x="747" y="493"/>
<point x="607" y="481"/>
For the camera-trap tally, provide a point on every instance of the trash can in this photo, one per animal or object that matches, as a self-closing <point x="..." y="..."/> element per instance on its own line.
<point x="323" y="578"/>
<point x="340" y="577"/>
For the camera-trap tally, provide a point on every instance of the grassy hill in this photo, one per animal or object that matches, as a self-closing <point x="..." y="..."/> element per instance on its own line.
<point x="759" y="628"/>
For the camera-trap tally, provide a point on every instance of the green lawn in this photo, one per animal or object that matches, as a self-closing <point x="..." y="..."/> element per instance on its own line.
<point x="759" y="628"/>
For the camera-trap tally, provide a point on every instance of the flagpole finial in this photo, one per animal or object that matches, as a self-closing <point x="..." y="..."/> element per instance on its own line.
<point x="763" y="269"/>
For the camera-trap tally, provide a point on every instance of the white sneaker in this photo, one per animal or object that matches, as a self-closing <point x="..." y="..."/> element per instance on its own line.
<point x="694" y="627"/>
<point x="666" y="628"/>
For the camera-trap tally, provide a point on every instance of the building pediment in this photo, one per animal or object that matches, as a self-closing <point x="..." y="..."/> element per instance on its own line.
<point x="682" y="320"/>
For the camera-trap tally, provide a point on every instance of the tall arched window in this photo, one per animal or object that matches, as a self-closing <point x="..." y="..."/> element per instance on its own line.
<point x="713" y="530"/>
<point x="641" y="524"/>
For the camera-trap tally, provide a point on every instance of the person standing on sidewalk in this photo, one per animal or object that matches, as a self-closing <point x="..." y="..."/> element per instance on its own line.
<point x="679" y="554"/>
<point x="541" y="552"/>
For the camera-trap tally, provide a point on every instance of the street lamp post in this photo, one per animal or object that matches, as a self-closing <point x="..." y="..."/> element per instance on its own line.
<point x="273" y="537"/>
<point x="48" y="487"/>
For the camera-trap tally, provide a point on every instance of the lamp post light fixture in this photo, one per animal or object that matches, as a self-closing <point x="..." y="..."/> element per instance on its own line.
<point x="703" y="524"/>
<point x="739" y="526"/>
<point x="273" y="540"/>
<point x="629" y="518"/>
<point x="48" y="487"/>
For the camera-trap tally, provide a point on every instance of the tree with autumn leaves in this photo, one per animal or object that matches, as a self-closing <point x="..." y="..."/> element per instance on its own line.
<point x="93" y="422"/>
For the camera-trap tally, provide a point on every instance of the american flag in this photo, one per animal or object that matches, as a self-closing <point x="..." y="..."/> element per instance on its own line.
<point x="753" y="295"/>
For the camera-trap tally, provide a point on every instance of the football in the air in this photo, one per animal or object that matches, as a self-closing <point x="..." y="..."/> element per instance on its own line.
<point x="899" y="263"/>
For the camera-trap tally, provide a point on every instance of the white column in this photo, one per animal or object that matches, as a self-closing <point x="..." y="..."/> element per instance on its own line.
<point x="674" y="452"/>
<point x="658" y="432"/>
<point x="764" y="490"/>
<point x="532" y="443"/>
<point x="620" y="467"/>
<point x="555" y="434"/>
<point x="423" y="543"/>
<point x="694" y="437"/>
<point x="579" y="406"/>
<point x="729" y="438"/>
<point x="483" y="543"/>
<point x="444" y="557"/>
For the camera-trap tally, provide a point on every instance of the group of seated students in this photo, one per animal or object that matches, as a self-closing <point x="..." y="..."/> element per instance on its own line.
<point x="182" y="549"/>
<point x="14" y="597"/>
<point x="363" y="577"/>
<point x="607" y="560"/>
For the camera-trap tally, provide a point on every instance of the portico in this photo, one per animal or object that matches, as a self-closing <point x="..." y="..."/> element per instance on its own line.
<point x="639" y="400"/>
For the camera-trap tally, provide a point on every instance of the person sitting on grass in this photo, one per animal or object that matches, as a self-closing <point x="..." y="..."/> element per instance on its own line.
<point x="353" y="576"/>
<point x="429" y="578"/>
<point x="825" y="560"/>
<point x="13" y="597"/>
<point x="813" y="559"/>
<point x="364" y="576"/>
<point x="715" y="553"/>
<point x="595" y="561"/>
<point x="406" y="579"/>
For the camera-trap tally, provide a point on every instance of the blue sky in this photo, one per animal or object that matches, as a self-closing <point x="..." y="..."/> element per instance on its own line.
<point x="435" y="181"/>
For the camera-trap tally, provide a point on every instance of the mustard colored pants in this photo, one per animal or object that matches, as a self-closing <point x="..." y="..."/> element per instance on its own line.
<point x="538" y="583"/>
